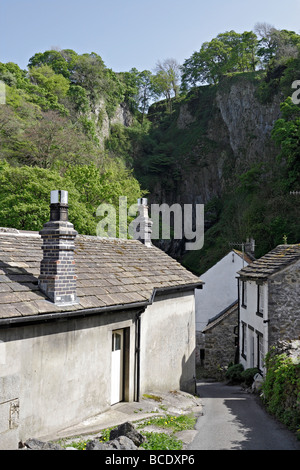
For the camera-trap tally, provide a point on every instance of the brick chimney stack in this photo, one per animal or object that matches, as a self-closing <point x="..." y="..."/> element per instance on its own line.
<point x="57" y="274"/>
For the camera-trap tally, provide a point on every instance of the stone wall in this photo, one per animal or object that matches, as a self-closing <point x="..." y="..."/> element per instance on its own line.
<point x="220" y="343"/>
<point x="283" y="308"/>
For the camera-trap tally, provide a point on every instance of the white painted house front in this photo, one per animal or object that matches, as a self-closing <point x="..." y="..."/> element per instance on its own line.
<point x="220" y="292"/>
<point x="253" y="323"/>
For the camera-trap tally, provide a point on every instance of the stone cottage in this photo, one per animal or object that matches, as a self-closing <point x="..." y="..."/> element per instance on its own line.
<point x="269" y="303"/>
<point x="221" y="341"/>
<point x="85" y="323"/>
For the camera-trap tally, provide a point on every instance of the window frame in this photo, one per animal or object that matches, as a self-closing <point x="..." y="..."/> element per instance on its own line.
<point x="260" y="300"/>
<point x="244" y="294"/>
<point x="260" y="350"/>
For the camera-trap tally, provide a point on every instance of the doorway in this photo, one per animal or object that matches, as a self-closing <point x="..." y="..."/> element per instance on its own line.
<point x="117" y="366"/>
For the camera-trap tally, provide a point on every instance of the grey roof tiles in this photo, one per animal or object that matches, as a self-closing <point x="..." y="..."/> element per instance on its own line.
<point x="110" y="272"/>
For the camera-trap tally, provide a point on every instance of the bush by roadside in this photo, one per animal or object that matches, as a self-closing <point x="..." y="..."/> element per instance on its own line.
<point x="281" y="388"/>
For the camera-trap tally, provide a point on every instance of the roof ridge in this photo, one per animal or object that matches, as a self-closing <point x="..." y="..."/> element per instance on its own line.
<point x="271" y="262"/>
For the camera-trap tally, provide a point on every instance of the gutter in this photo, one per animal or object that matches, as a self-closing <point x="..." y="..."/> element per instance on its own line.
<point x="55" y="316"/>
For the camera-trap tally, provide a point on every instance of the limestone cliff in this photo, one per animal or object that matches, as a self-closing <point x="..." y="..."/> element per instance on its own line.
<point x="213" y="136"/>
<point x="225" y="133"/>
<point x="103" y="122"/>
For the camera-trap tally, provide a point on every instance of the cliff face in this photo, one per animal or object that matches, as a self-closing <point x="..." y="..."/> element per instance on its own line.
<point x="249" y="123"/>
<point x="212" y="137"/>
<point x="225" y="136"/>
<point x="103" y="122"/>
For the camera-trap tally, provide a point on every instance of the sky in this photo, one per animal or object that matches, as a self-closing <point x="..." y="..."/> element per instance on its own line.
<point x="131" y="33"/>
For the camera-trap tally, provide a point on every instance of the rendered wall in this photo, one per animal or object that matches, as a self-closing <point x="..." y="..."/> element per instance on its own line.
<point x="220" y="289"/>
<point x="168" y="339"/>
<point x="53" y="375"/>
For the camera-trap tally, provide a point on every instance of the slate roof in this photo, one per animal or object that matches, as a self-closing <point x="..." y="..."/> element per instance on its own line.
<point x="220" y="316"/>
<point x="110" y="273"/>
<point x="245" y="256"/>
<point x="272" y="262"/>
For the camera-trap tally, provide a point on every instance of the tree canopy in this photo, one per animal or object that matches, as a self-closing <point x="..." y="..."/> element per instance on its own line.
<point x="232" y="52"/>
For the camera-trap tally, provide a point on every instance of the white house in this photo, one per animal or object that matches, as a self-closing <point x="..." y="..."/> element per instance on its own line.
<point x="85" y="323"/>
<point x="269" y="303"/>
<point x="220" y="292"/>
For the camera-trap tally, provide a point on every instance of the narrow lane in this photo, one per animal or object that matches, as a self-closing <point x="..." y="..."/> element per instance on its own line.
<point x="235" y="420"/>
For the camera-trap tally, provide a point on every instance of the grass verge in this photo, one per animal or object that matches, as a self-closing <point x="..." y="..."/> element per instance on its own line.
<point x="154" y="440"/>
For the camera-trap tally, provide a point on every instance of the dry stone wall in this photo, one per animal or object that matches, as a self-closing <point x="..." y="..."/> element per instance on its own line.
<point x="284" y="313"/>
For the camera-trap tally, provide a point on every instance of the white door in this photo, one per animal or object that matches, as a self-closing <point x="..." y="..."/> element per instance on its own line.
<point x="117" y="367"/>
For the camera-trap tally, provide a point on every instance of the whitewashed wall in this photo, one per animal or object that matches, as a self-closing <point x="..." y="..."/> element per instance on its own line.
<point x="220" y="289"/>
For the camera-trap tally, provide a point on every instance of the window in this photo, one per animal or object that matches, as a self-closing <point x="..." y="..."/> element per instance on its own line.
<point x="244" y="293"/>
<point x="260" y="350"/>
<point x="260" y="300"/>
<point x="116" y="341"/>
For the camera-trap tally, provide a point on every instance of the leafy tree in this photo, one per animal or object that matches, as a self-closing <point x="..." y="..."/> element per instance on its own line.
<point x="25" y="194"/>
<point x="11" y="74"/>
<point x="46" y="78"/>
<point x="52" y="139"/>
<point x="167" y="78"/>
<point x="227" y="53"/>
<point x="79" y="99"/>
<point x="140" y="90"/>
<point x="87" y="71"/>
<point x="286" y="134"/>
<point x="147" y="91"/>
<point x="61" y="62"/>
<point x="169" y="72"/>
<point x="276" y="46"/>
<point x="104" y="184"/>
<point x="46" y="139"/>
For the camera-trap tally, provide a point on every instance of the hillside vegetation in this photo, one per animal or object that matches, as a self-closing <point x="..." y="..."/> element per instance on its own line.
<point x="226" y="134"/>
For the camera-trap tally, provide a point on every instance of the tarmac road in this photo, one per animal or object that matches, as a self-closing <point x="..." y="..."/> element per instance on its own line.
<point x="233" y="419"/>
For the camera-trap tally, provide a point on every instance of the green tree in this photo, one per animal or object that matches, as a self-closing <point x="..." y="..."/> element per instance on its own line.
<point x="45" y="139"/>
<point x="79" y="99"/>
<point x="61" y="62"/>
<point x="276" y="46"/>
<point x="25" y="193"/>
<point x="25" y="199"/>
<point x="46" y="78"/>
<point x="140" y="90"/>
<point x="286" y="134"/>
<point x="167" y="79"/>
<point x="229" y="52"/>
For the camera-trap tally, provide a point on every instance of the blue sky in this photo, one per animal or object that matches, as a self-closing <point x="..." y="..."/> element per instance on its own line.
<point x="131" y="33"/>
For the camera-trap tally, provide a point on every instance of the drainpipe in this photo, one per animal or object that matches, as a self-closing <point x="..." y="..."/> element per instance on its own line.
<point x="137" y="364"/>
<point x="238" y="329"/>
